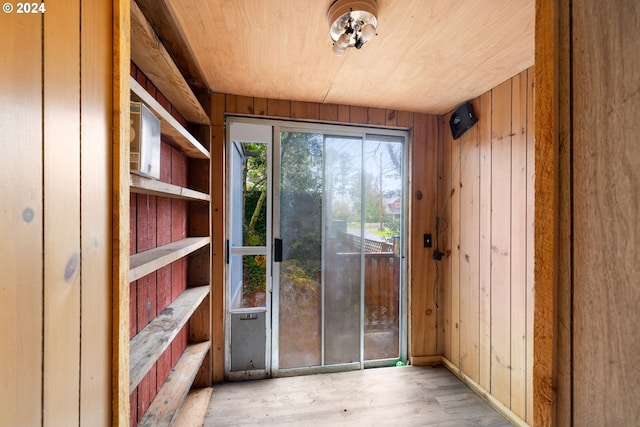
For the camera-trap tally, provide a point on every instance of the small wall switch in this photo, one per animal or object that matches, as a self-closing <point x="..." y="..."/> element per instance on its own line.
<point x="427" y="241"/>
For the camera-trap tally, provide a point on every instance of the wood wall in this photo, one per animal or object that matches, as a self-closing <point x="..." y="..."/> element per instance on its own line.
<point x="424" y="135"/>
<point x="487" y="207"/>
<point x="587" y="218"/>
<point x="55" y="219"/>
<point x="606" y="203"/>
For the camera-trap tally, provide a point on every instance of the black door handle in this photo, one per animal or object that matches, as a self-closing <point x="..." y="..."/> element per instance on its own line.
<point x="277" y="250"/>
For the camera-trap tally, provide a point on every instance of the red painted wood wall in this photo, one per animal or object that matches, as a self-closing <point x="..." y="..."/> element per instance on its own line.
<point x="156" y="221"/>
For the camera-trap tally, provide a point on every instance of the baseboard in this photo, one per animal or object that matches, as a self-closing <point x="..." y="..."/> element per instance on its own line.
<point x="483" y="393"/>
<point x="425" y="360"/>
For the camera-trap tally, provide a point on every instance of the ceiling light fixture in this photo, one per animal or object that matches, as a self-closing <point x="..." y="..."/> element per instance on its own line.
<point x="353" y="23"/>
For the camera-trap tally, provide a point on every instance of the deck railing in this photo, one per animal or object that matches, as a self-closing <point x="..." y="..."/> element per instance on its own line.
<point x="381" y="285"/>
<point x="351" y="242"/>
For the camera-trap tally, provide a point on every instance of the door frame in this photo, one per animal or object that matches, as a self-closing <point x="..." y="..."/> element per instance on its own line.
<point x="265" y="250"/>
<point x="274" y="161"/>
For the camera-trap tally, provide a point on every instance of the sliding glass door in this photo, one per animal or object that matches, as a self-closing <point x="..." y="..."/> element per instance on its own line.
<point x="299" y="225"/>
<point x="315" y="248"/>
<point x="340" y="222"/>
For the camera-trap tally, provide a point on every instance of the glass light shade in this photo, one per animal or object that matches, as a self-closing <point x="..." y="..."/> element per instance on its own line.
<point x="343" y="41"/>
<point x="338" y="50"/>
<point x="368" y="33"/>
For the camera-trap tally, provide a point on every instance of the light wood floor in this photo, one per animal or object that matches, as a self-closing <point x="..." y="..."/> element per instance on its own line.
<point x="401" y="396"/>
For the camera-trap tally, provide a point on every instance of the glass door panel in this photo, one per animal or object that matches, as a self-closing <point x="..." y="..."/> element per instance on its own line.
<point x="342" y="249"/>
<point x="339" y="217"/>
<point x="300" y="225"/>
<point x="383" y="201"/>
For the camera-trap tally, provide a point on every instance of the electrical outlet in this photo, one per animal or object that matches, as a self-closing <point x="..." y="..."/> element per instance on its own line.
<point x="427" y="241"/>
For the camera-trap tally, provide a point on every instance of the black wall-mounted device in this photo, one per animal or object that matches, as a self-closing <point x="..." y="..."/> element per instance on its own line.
<point x="461" y="120"/>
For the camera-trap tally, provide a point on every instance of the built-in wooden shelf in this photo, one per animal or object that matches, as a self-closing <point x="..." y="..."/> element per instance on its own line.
<point x="169" y="126"/>
<point x="146" y="262"/>
<point x="192" y="309"/>
<point x="142" y="185"/>
<point x="150" y="55"/>
<point x="194" y="408"/>
<point x="169" y="399"/>
<point x="148" y="345"/>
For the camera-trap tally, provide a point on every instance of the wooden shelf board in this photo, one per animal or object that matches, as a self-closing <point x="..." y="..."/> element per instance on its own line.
<point x="142" y="185"/>
<point x="194" y="409"/>
<point x="148" y="345"/>
<point x="150" y="55"/>
<point x="146" y="262"/>
<point x="169" y="126"/>
<point x="167" y="402"/>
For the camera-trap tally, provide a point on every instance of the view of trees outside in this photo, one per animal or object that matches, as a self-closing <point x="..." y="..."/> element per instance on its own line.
<point x="382" y="186"/>
<point x="254" y="223"/>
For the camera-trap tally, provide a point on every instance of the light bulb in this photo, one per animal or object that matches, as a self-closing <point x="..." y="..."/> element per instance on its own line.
<point x="338" y="50"/>
<point x="368" y="32"/>
<point x="344" y="40"/>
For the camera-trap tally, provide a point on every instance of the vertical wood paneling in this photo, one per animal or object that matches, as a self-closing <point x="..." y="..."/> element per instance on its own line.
<point x="344" y="114"/>
<point x="418" y="318"/>
<point x="405" y="119"/>
<point x="21" y="220"/>
<point x="200" y="330"/>
<point x="62" y="248"/>
<point x="259" y="106"/>
<point x="133" y="409"/>
<point x="423" y="311"/>
<point x="278" y="108"/>
<point x="357" y="114"/>
<point x="492" y="269"/>
<point x="328" y="112"/>
<point x="444" y="238"/>
<point x="304" y="110"/>
<point x="518" y="243"/>
<point x="391" y="118"/>
<point x="121" y="400"/>
<point x="429" y="224"/>
<point x="199" y="267"/>
<point x="484" y="133"/>
<point x="501" y="243"/>
<point x="178" y="232"/>
<point x="455" y="249"/>
<point x="163" y="236"/>
<point x="605" y="161"/>
<point x="440" y="266"/>
<point x="561" y="290"/>
<point x="376" y="116"/>
<point x="530" y="242"/>
<point x="218" y="233"/>
<point x="546" y="205"/>
<point x="96" y="107"/>
<point x="244" y="104"/>
<point x="469" y="252"/>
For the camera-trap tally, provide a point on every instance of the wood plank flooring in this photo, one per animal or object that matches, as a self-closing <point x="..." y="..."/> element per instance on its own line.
<point x="402" y="396"/>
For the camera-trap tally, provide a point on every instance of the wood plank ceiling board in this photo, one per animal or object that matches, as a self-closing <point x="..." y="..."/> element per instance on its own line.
<point x="428" y="56"/>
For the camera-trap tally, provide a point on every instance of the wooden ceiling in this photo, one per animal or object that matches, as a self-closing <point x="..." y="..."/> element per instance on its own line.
<point x="429" y="55"/>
